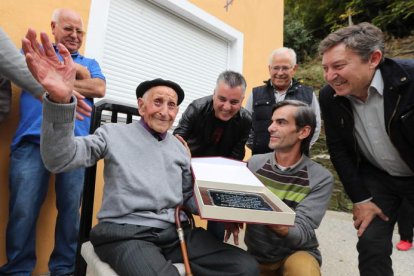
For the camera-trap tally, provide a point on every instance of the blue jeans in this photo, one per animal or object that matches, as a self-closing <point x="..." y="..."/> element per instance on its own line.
<point x="28" y="185"/>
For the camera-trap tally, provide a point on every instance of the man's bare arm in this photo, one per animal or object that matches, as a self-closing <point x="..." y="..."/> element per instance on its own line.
<point x="88" y="86"/>
<point x="82" y="73"/>
<point x="91" y="88"/>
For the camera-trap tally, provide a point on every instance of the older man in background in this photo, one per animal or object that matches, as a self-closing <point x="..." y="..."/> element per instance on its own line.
<point x="29" y="178"/>
<point x="281" y="86"/>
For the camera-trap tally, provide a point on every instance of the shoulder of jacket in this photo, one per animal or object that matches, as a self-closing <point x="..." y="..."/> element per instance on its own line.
<point x="245" y="114"/>
<point x="326" y="90"/>
<point x="203" y="100"/>
<point x="202" y="103"/>
<point x="397" y="72"/>
<point x="264" y="86"/>
<point x="298" y="85"/>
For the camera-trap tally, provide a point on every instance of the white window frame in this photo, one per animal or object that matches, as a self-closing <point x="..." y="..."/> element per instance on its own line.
<point x="98" y="20"/>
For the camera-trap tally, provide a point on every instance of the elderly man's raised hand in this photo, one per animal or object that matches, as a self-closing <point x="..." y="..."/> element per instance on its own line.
<point x="56" y="77"/>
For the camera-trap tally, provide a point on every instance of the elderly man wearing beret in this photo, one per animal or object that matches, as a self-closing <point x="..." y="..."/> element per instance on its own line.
<point x="147" y="174"/>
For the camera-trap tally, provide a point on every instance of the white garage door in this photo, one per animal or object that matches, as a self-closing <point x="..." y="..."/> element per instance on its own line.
<point x="137" y="40"/>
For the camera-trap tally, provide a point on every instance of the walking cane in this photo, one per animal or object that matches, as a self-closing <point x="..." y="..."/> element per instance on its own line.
<point x="180" y="232"/>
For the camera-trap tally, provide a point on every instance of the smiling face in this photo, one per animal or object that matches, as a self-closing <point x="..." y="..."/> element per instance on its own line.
<point x="158" y="108"/>
<point x="227" y="101"/>
<point x="347" y="73"/>
<point x="284" y="135"/>
<point x="68" y="30"/>
<point x="282" y="70"/>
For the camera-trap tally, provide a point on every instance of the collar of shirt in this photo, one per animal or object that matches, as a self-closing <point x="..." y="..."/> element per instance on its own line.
<point x="73" y="55"/>
<point x="281" y="91"/>
<point x="377" y="85"/>
<point x="284" y="169"/>
<point x="158" y="136"/>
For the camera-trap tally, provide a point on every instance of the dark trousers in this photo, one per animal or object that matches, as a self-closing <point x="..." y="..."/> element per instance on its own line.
<point x="375" y="245"/>
<point x="140" y="250"/>
<point x="406" y="221"/>
<point x="216" y="228"/>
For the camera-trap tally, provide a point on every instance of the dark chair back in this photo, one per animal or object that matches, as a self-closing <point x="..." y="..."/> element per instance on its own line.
<point x="118" y="113"/>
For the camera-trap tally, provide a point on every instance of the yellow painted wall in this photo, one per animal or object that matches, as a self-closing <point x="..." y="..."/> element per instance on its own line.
<point x="261" y="22"/>
<point x="16" y="17"/>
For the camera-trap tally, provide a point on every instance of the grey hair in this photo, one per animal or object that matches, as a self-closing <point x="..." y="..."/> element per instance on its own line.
<point x="284" y="50"/>
<point x="363" y="39"/>
<point x="304" y="116"/>
<point x="232" y="79"/>
<point x="57" y="13"/>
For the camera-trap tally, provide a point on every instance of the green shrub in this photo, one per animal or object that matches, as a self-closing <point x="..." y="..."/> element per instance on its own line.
<point x="297" y="37"/>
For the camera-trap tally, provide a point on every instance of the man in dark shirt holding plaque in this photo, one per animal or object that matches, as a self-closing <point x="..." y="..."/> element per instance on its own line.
<point x="304" y="185"/>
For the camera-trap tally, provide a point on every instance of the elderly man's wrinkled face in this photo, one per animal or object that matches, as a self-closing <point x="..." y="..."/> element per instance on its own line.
<point x="282" y="71"/>
<point x="158" y="107"/>
<point x="68" y="30"/>
<point x="227" y="101"/>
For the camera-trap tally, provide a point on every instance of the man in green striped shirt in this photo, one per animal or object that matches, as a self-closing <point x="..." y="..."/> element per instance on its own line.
<point x="301" y="183"/>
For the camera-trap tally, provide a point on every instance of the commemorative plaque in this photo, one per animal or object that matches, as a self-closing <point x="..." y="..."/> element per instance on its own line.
<point x="226" y="190"/>
<point x="241" y="200"/>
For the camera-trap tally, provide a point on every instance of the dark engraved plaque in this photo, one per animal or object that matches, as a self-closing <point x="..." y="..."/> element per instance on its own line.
<point x="243" y="200"/>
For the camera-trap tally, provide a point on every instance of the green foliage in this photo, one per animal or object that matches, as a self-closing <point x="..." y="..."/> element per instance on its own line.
<point x="298" y="38"/>
<point x="395" y="17"/>
<point x="318" y="16"/>
<point x="309" y="21"/>
<point x="311" y="73"/>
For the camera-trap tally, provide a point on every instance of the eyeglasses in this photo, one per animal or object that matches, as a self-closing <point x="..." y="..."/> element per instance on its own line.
<point x="281" y="68"/>
<point x="70" y="30"/>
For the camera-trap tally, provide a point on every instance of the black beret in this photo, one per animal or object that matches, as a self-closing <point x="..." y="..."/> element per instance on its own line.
<point x="147" y="85"/>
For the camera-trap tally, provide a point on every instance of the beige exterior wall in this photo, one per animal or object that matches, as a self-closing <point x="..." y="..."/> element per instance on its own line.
<point x="260" y="21"/>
